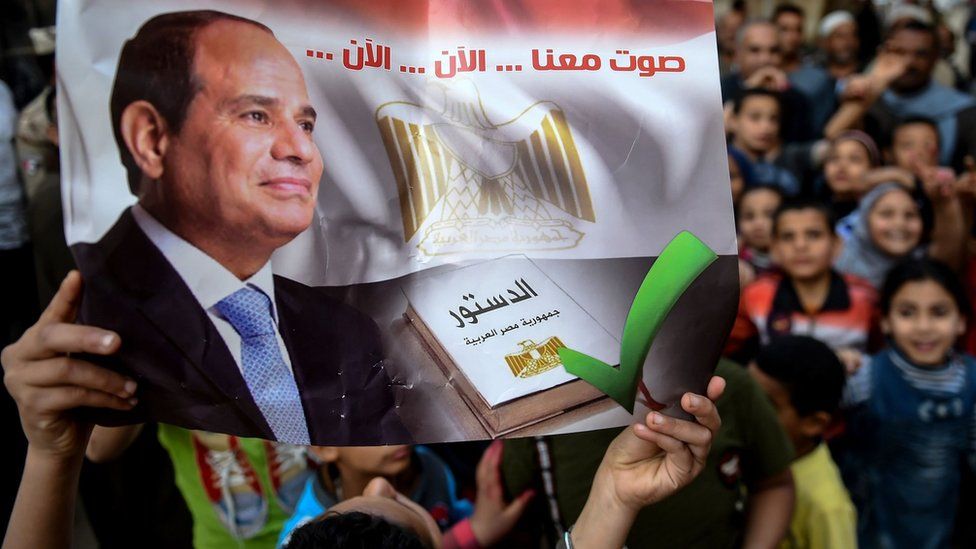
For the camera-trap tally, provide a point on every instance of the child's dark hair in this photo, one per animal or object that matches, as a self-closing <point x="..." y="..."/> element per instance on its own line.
<point x="753" y="189"/>
<point x="353" y="530"/>
<point x="920" y="270"/>
<point x="809" y="371"/>
<point x="911" y="121"/>
<point x="740" y="99"/>
<point x="797" y="204"/>
<point x="787" y="8"/>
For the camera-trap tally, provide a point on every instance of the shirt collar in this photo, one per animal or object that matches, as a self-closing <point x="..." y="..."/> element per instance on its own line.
<point x="208" y="280"/>
<point x="786" y="299"/>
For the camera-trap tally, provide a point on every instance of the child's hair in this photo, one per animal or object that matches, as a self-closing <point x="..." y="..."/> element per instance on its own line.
<point x="740" y="99"/>
<point x="352" y="529"/>
<point x="920" y="270"/>
<point x="809" y="371"/>
<point x="756" y="188"/>
<point x="911" y="121"/>
<point x="796" y="204"/>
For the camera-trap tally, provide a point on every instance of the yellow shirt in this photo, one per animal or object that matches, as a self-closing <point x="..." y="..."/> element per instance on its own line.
<point x="824" y="517"/>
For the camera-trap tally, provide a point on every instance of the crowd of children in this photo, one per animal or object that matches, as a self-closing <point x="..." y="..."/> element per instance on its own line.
<point x="849" y="407"/>
<point x="854" y="251"/>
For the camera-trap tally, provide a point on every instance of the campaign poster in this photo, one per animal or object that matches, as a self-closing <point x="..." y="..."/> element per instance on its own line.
<point x="356" y="223"/>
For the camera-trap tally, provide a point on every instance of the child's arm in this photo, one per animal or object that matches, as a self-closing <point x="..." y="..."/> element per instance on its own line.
<point x="108" y="443"/>
<point x="770" y="510"/>
<point x="949" y="229"/>
<point x="47" y="385"/>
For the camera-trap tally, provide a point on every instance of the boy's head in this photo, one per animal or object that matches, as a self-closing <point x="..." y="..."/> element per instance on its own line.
<point x="804" y="242"/>
<point x="381" y="517"/>
<point x="756" y="121"/>
<point x="804" y="380"/>
<point x="914" y="142"/>
<point x="366" y="461"/>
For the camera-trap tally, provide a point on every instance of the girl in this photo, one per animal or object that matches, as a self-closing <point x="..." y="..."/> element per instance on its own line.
<point x="755" y="227"/>
<point x="911" y="412"/>
<point x="851" y="156"/>
<point x="886" y="228"/>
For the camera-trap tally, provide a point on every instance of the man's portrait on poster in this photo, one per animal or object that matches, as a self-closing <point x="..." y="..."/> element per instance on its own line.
<point x="214" y="127"/>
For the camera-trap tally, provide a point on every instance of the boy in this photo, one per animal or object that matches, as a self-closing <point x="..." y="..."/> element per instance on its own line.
<point x="755" y="124"/>
<point x="809" y="297"/>
<point x="423" y="477"/>
<point x="804" y="380"/>
<point x="914" y="143"/>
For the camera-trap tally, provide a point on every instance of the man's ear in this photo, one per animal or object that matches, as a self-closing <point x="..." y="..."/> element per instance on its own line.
<point x="325" y="454"/>
<point x="814" y="425"/>
<point x="146" y="135"/>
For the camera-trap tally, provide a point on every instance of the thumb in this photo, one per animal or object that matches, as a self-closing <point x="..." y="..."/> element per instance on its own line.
<point x="518" y="505"/>
<point x="64" y="305"/>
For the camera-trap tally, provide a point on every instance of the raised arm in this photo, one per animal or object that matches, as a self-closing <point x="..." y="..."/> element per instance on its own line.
<point x="47" y="384"/>
<point x="645" y="464"/>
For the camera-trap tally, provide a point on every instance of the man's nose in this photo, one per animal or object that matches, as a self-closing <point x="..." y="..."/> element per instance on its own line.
<point x="292" y="143"/>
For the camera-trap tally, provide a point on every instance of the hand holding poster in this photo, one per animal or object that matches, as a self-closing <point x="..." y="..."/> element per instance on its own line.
<point x="256" y="196"/>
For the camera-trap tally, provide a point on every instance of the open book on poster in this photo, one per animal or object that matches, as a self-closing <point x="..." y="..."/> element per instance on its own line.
<point x="501" y="322"/>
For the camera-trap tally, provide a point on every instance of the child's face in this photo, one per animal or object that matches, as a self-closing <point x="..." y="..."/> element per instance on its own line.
<point x="894" y="224"/>
<point x="756" y="218"/>
<point x="803" y="244"/>
<point x="735" y="179"/>
<point x="845" y="167"/>
<point x="915" y="144"/>
<point x="370" y="461"/>
<point x="757" y="125"/>
<point x="924" y="322"/>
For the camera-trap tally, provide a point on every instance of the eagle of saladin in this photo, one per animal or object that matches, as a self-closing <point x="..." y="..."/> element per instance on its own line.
<point x="465" y="183"/>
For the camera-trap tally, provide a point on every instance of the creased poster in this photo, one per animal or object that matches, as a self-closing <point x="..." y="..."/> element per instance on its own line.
<point x="339" y="222"/>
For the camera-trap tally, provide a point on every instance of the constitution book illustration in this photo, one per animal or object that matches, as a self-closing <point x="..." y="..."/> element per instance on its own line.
<point x="495" y="328"/>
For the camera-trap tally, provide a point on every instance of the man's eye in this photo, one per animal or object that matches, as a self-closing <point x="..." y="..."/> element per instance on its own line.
<point x="256" y="116"/>
<point x="307" y="126"/>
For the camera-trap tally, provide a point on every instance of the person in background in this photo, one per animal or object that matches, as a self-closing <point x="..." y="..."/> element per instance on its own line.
<point x="757" y="65"/>
<point x="807" y="297"/>
<point x="346" y="471"/>
<point x="847" y="172"/>
<point x="788" y="18"/>
<point x="804" y="380"/>
<point x="915" y="93"/>
<point x="910" y="413"/>
<point x="755" y="125"/>
<point x="754" y="222"/>
<point x="743" y="497"/>
<point x="727" y="25"/>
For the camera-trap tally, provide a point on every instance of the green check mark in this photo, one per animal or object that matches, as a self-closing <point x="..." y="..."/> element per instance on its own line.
<point x="680" y="263"/>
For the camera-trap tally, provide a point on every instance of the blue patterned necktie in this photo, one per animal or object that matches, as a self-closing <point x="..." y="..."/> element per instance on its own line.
<point x="271" y="384"/>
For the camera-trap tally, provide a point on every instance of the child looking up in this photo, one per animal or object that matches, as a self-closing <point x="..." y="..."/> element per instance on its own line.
<point x="423" y="477"/>
<point x="914" y="142"/>
<point x="804" y="379"/>
<point x="911" y="412"/>
<point x="809" y="297"/>
<point x="851" y="156"/>
<point x="755" y="227"/>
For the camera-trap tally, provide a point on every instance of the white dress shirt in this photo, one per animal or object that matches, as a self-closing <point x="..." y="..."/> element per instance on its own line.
<point x="209" y="281"/>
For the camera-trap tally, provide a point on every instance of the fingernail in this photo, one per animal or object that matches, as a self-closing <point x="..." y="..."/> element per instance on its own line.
<point x="133" y="401"/>
<point x="657" y="419"/>
<point x="693" y="401"/>
<point x="106" y="341"/>
<point x="130" y="387"/>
